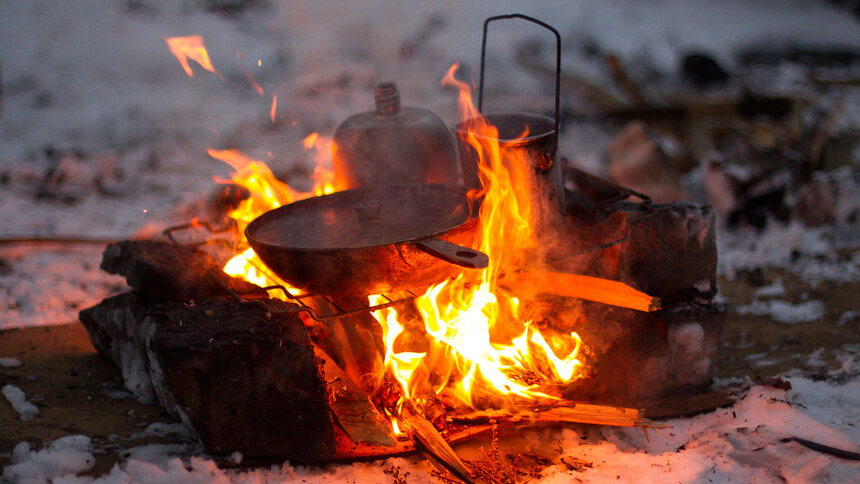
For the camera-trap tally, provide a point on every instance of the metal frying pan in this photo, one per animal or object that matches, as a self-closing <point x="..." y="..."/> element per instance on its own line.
<point x="369" y="240"/>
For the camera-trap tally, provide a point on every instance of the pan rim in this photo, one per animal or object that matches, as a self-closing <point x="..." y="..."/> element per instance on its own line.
<point x="255" y="224"/>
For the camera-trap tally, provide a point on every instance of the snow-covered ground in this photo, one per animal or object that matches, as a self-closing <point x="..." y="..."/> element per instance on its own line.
<point x="103" y="136"/>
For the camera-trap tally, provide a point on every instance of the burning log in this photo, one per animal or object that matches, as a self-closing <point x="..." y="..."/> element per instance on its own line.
<point x="589" y="288"/>
<point x="361" y="421"/>
<point x="243" y="381"/>
<point x="159" y="270"/>
<point x="562" y="412"/>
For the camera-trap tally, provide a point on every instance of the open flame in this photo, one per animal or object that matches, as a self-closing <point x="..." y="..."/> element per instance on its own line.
<point x="481" y="343"/>
<point x="266" y="193"/>
<point x="190" y="47"/>
<point x="482" y="340"/>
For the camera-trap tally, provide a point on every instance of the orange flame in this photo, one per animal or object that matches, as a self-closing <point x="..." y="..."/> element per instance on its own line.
<point x="266" y="193"/>
<point x="274" y="108"/>
<point x="190" y="47"/>
<point x="480" y="343"/>
<point x="320" y="148"/>
<point x="479" y="340"/>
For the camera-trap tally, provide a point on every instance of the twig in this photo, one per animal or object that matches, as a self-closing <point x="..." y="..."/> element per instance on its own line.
<point x="55" y="240"/>
<point x="426" y="434"/>
<point x="565" y="412"/>
<point x="826" y="449"/>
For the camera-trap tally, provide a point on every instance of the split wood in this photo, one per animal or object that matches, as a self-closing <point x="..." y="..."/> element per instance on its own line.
<point x="605" y="291"/>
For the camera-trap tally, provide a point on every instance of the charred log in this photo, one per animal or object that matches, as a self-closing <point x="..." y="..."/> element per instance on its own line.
<point x="159" y="270"/>
<point x="245" y="382"/>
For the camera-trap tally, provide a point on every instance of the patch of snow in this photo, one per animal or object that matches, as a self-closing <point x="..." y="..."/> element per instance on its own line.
<point x="744" y="443"/>
<point x="703" y="286"/>
<point x="7" y="362"/>
<point x="785" y="312"/>
<point x="807" y="252"/>
<point x="50" y="287"/>
<point x="161" y="429"/>
<point x="18" y="399"/>
<point x="771" y="290"/>
<point x="236" y="457"/>
<point x="848" y="316"/>
<point x="161" y="452"/>
<point x="816" y="359"/>
<point x="59" y="461"/>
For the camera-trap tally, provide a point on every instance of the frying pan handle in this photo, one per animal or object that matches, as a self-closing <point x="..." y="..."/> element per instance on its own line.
<point x="453" y="253"/>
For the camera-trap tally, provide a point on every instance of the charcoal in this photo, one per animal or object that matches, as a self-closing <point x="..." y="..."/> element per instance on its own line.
<point x="243" y="380"/>
<point x="160" y="270"/>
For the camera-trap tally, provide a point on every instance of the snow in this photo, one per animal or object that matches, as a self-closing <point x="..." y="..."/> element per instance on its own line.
<point x="7" y="362"/>
<point x="805" y="312"/>
<point x="755" y="439"/>
<point x="103" y="136"/>
<point x="15" y="396"/>
<point x="62" y="459"/>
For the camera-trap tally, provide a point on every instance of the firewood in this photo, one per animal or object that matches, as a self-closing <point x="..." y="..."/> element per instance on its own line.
<point x="243" y="379"/>
<point x="563" y="412"/>
<point x="352" y="408"/>
<point x="160" y="270"/>
<point x="425" y="433"/>
<point x="589" y="288"/>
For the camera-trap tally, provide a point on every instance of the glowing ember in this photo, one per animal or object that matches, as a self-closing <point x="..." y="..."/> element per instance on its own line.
<point x="274" y="108"/>
<point x="251" y="79"/>
<point x="190" y="47"/>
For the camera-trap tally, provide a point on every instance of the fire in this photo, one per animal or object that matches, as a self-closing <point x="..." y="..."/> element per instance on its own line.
<point x="267" y="193"/>
<point x="190" y="47"/>
<point x="482" y="341"/>
<point x="320" y="148"/>
<point x="274" y="109"/>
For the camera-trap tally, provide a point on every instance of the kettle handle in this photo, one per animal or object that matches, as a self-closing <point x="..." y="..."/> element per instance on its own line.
<point x="557" y="59"/>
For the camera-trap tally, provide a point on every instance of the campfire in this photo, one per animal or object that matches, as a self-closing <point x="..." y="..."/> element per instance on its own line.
<point x="553" y="314"/>
<point x="473" y="341"/>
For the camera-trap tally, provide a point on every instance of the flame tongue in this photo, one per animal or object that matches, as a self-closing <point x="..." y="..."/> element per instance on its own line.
<point x="190" y="47"/>
<point x="268" y="193"/>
